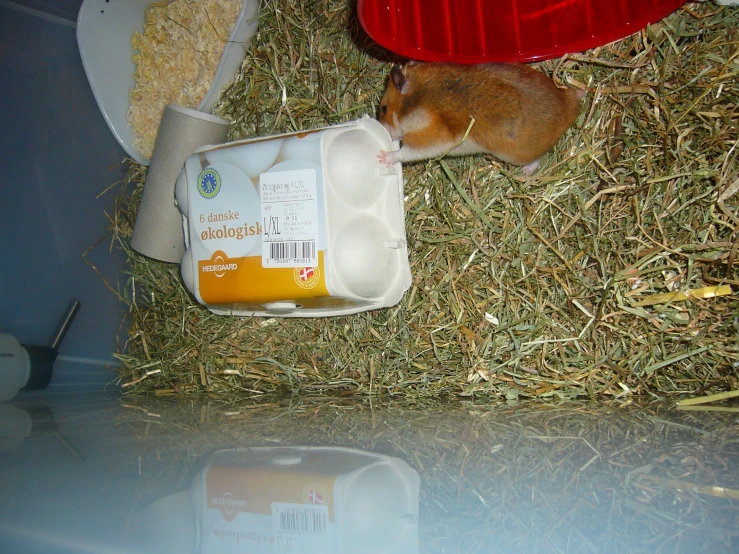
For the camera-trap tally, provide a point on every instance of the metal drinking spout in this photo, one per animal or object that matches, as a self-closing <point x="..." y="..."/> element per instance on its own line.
<point x="66" y="321"/>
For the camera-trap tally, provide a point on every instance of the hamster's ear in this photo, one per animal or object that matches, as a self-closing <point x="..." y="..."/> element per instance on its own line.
<point x="399" y="79"/>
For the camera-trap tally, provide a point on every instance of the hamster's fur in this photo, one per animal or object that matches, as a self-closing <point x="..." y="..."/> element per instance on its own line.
<point x="519" y="113"/>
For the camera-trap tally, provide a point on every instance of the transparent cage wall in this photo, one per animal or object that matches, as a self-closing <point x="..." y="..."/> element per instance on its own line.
<point x="57" y="156"/>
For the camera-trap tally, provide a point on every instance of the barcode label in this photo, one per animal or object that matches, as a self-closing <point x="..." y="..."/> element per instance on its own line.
<point x="289" y="218"/>
<point x="303" y="520"/>
<point x="300" y="528"/>
<point x="294" y="252"/>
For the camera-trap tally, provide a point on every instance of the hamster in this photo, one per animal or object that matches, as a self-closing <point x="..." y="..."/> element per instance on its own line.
<point x="519" y="112"/>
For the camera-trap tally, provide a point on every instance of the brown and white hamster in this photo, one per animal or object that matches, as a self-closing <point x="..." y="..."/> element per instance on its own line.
<point x="519" y="112"/>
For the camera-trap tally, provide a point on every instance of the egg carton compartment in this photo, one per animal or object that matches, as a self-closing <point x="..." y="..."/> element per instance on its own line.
<point x="365" y="214"/>
<point x="358" y="239"/>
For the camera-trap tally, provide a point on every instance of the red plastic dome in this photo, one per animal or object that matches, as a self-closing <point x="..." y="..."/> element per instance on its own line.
<point x="476" y="31"/>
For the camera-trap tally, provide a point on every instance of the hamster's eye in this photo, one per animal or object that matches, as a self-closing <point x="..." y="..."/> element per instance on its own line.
<point x="383" y="109"/>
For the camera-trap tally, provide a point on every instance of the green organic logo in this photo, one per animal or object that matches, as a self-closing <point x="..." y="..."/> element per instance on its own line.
<point x="209" y="183"/>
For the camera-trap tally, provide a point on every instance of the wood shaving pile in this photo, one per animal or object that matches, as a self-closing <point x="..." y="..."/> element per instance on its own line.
<point x="177" y="57"/>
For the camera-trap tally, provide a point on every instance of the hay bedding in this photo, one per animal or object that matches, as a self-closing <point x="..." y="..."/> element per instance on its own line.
<point x="538" y="288"/>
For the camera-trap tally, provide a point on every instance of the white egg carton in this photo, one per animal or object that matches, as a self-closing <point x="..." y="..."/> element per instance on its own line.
<point x="295" y="225"/>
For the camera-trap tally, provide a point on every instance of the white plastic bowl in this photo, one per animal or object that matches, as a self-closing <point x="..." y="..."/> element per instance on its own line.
<point x="104" y="32"/>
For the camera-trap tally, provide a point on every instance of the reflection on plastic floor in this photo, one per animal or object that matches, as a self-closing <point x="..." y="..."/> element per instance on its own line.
<point x="96" y="473"/>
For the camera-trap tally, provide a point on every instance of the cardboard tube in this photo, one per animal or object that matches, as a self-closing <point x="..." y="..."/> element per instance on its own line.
<point x="158" y="231"/>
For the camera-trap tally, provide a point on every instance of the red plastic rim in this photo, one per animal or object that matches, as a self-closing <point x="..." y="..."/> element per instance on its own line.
<point x="476" y="31"/>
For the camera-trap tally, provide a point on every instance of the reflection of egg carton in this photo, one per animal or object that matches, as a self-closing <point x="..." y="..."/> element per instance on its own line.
<point x="369" y="501"/>
<point x="338" y="499"/>
<point x="362" y="260"/>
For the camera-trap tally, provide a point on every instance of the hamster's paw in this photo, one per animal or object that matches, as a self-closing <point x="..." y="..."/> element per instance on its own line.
<point x="386" y="158"/>
<point x="530" y="168"/>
